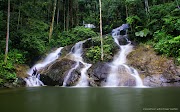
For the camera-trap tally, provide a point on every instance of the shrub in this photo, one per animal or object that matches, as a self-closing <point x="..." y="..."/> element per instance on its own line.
<point x="7" y="71"/>
<point x="94" y="52"/>
<point x="168" y="45"/>
<point x="71" y="37"/>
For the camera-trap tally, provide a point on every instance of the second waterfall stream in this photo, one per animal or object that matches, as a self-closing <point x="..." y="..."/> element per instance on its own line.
<point x="76" y="55"/>
<point x="119" y="70"/>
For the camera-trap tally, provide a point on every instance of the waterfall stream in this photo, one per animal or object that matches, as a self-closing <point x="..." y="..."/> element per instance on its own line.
<point x="120" y="74"/>
<point x="119" y="60"/>
<point x="76" y="55"/>
<point x="34" y="77"/>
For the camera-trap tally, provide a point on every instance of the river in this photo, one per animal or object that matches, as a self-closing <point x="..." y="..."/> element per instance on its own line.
<point x="62" y="99"/>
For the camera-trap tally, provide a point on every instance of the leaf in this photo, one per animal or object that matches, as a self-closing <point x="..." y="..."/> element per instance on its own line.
<point x="143" y="33"/>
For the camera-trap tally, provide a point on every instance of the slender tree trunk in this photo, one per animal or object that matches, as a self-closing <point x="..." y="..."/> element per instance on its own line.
<point x="52" y="23"/>
<point x="19" y="16"/>
<point x="67" y="16"/>
<point x="126" y="11"/>
<point x="102" y="54"/>
<point x="64" y="14"/>
<point x="7" y="35"/>
<point x="71" y="13"/>
<point x="177" y="4"/>
<point x="58" y="12"/>
<point x="146" y="7"/>
<point x="77" y="11"/>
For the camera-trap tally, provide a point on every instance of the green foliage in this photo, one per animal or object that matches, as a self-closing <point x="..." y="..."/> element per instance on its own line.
<point x="71" y="37"/>
<point x="33" y="38"/>
<point x="133" y="19"/>
<point x="94" y="52"/>
<point x="142" y="33"/>
<point x="16" y="56"/>
<point x="167" y="44"/>
<point x="7" y="71"/>
<point x="83" y="33"/>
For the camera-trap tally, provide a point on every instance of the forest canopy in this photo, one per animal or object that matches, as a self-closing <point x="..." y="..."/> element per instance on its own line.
<point x="154" y="22"/>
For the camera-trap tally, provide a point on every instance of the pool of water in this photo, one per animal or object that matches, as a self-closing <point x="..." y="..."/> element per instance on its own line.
<point x="61" y="99"/>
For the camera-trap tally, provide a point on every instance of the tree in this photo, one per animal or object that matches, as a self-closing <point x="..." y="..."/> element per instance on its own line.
<point x="57" y="19"/>
<point x="146" y="7"/>
<point x="177" y="4"/>
<point x="101" y="30"/>
<point x="52" y="23"/>
<point x="7" y="35"/>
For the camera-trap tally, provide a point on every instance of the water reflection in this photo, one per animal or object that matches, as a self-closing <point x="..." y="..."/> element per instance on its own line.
<point x="59" y="99"/>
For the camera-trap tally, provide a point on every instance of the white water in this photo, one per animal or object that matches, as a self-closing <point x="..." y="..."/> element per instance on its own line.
<point x="69" y="74"/>
<point x="84" y="79"/>
<point x="113" y="79"/>
<point x="76" y="55"/>
<point x="34" y="80"/>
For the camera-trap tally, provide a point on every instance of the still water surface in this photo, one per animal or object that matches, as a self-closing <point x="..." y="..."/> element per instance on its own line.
<point x="60" y="99"/>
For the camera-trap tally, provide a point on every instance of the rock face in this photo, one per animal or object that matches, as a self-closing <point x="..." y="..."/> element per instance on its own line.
<point x="125" y="78"/>
<point x="55" y="73"/>
<point x="98" y="73"/>
<point x="155" y="70"/>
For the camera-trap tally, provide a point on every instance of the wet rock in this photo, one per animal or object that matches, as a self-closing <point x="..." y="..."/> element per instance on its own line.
<point x="156" y="70"/>
<point x="122" y="39"/>
<point x="21" y="82"/>
<point x="56" y="71"/>
<point x="160" y="80"/>
<point x="21" y="70"/>
<point x="125" y="77"/>
<point x="99" y="73"/>
<point x="75" y="75"/>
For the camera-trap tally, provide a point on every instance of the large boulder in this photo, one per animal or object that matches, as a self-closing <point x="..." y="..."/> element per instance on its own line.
<point x="98" y="73"/>
<point x="125" y="77"/>
<point x="55" y="73"/>
<point x="155" y="70"/>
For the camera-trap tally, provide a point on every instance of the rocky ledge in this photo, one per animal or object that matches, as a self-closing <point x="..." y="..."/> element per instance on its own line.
<point x="155" y="70"/>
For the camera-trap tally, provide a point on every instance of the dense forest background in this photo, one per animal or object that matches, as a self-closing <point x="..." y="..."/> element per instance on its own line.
<point x="36" y="26"/>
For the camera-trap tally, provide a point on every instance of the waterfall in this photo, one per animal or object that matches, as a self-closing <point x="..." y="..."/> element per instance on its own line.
<point x="34" y="77"/>
<point x="69" y="74"/>
<point x="119" y="60"/>
<point x="76" y="55"/>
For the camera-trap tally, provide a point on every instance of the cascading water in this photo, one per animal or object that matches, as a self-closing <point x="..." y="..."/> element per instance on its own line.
<point x="34" y="77"/>
<point x="75" y="55"/>
<point x="119" y="60"/>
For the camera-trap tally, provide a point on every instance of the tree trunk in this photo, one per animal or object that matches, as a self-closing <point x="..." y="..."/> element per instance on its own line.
<point x="7" y="35"/>
<point x="77" y="11"/>
<point x="19" y="16"/>
<point x="64" y="14"/>
<point x="58" y="12"/>
<point x="146" y="7"/>
<point x="102" y="55"/>
<point x="52" y="23"/>
<point x="67" y="16"/>
<point x="71" y="13"/>
<point x="126" y="11"/>
<point x="177" y="4"/>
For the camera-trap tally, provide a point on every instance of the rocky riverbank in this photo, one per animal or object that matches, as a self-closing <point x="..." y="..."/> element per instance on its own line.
<point x="155" y="70"/>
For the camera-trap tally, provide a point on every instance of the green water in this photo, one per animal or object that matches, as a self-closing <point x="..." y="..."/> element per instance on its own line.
<point x="59" y="99"/>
